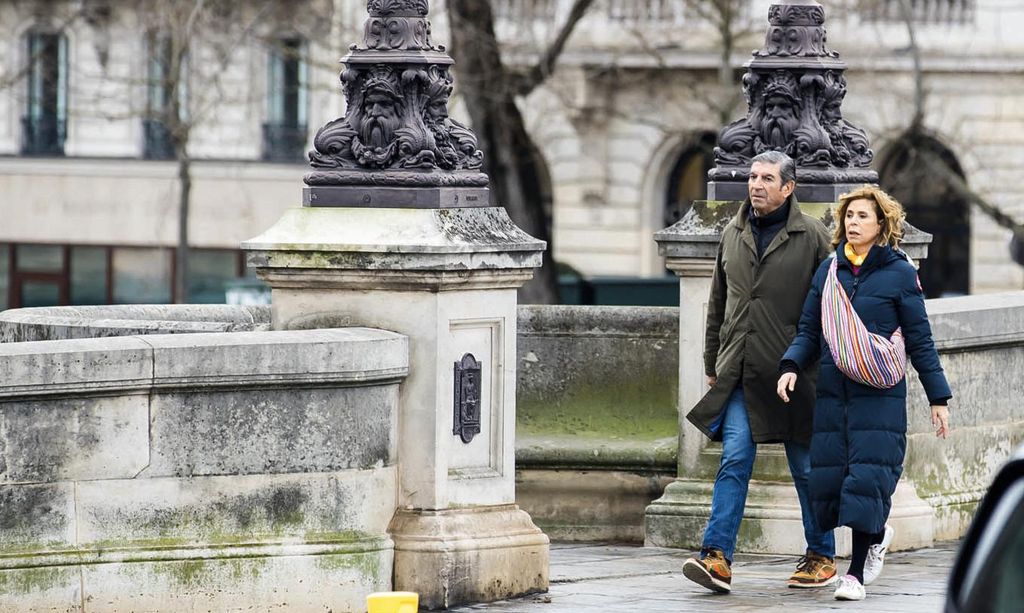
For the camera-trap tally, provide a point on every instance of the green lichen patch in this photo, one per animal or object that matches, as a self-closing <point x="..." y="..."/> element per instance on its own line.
<point x="21" y="581"/>
<point x="634" y="407"/>
<point x="369" y="565"/>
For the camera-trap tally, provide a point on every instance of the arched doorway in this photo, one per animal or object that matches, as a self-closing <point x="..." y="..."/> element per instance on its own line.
<point x="915" y="169"/>
<point x="688" y="179"/>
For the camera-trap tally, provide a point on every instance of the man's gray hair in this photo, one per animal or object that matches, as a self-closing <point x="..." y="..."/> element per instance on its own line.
<point x="787" y="167"/>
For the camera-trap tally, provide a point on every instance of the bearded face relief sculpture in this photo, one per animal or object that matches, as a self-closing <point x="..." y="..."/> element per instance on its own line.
<point x="794" y="88"/>
<point x="377" y="122"/>
<point x="850" y="144"/>
<point x="456" y="144"/>
<point x="779" y="121"/>
<point x="396" y="129"/>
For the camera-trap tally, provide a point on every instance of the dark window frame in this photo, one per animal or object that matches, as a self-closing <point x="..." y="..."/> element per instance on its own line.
<point x="157" y="140"/>
<point x="286" y="130"/>
<point x="63" y="278"/>
<point x="44" y="124"/>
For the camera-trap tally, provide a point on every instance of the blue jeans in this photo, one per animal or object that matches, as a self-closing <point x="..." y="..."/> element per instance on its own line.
<point x="730" y="494"/>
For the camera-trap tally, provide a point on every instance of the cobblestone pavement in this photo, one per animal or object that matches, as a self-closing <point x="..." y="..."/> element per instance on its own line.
<point x="640" y="580"/>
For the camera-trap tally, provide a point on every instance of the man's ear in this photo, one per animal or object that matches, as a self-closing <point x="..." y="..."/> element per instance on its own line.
<point x="788" y="188"/>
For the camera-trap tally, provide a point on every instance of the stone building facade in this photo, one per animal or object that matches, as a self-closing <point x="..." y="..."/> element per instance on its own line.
<point x="627" y="123"/>
<point x="624" y="126"/>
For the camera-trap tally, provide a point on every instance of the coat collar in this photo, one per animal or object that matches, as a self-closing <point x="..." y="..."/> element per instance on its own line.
<point x="879" y="256"/>
<point x="795" y="222"/>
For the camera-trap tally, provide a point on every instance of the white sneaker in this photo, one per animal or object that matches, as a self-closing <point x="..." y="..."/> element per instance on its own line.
<point x="876" y="556"/>
<point x="849" y="589"/>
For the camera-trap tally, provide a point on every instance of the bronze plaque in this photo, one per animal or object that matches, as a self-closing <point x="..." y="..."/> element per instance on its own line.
<point x="467" y="398"/>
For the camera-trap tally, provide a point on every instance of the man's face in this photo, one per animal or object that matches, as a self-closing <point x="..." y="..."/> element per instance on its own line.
<point x="765" y="187"/>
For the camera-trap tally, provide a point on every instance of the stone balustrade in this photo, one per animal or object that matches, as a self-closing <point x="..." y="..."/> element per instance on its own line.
<point x="578" y="443"/>
<point x="168" y="472"/>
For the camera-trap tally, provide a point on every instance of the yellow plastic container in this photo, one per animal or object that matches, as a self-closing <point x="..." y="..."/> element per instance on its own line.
<point x="393" y="602"/>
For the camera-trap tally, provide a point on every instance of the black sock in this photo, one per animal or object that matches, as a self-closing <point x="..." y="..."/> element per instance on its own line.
<point x="861" y="542"/>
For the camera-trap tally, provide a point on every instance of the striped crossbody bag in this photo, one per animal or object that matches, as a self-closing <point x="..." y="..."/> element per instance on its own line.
<point x="863" y="356"/>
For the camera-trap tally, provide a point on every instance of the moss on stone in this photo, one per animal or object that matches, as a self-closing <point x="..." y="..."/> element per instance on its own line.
<point x="19" y="581"/>
<point x="751" y="535"/>
<point x="367" y="564"/>
<point x="633" y="407"/>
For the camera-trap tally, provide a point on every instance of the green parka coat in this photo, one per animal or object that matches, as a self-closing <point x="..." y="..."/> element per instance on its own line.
<point x="752" y="316"/>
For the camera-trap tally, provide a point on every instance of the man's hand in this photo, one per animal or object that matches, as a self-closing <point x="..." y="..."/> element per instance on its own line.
<point x="940" y="420"/>
<point x="712" y="380"/>
<point x="787" y="383"/>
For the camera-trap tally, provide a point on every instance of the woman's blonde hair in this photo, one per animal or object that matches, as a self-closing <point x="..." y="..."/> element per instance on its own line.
<point x="890" y="215"/>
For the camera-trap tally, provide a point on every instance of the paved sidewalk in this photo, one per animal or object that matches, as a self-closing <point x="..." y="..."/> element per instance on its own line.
<point x="588" y="578"/>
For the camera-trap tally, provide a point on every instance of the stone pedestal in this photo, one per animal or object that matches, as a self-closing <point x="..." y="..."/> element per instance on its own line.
<point x="447" y="279"/>
<point x="772" y="520"/>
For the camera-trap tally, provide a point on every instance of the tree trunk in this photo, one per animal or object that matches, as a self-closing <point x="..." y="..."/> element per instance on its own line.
<point x="510" y="156"/>
<point x="181" y="254"/>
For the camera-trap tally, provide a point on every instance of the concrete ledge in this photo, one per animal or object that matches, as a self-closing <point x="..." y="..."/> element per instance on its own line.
<point x="977" y="322"/>
<point x="60" y="323"/>
<point x="566" y="452"/>
<point x="255" y="359"/>
<point x="589" y="505"/>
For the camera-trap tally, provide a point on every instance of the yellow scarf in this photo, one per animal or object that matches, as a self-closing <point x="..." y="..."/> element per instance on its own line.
<point x="856" y="260"/>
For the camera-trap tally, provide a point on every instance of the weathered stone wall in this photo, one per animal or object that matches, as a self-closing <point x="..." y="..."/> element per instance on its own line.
<point x="224" y="471"/>
<point x="597" y="408"/>
<point x="596" y="421"/>
<point x="596" y="405"/>
<point x="981" y="344"/>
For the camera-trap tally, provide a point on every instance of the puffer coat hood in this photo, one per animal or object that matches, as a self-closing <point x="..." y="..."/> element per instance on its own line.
<point x="860" y="432"/>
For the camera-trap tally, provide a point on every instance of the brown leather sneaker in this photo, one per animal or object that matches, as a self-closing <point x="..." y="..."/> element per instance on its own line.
<point x="814" y="570"/>
<point x="710" y="570"/>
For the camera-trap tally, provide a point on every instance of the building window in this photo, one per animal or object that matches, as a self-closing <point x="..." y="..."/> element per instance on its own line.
<point x="38" y="276"/>
<point x="941" y="12"/>
<point x="209" y="273"/>
<point x="44" y="126"/>
<point x="157" y="141"/>
<point x="89" y="276"/>
<point x="142" y="276"/>
<point x="284" y="133"/>
<point x="58" y="275"/>
<point x="688" y="180"/>
<point x="934" y="205"/>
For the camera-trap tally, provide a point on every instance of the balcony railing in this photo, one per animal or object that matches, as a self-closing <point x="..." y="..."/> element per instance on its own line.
<point x="921" y="11"/>
<point x="43" y="135"/>
<point x="157" y="143"/>
<point x="622" y="11"/>
<point x="284" y="142"/>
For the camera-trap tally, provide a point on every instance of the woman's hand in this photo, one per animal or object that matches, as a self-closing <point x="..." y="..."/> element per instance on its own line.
<point x="940" y="420"/>
<point x="787" y="383"/>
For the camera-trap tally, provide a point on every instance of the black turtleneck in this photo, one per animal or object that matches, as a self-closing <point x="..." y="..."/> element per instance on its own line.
<point x="764" y="228"/>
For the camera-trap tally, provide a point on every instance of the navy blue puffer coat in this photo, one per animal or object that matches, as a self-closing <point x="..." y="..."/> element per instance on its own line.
<point x="860" y="432"/>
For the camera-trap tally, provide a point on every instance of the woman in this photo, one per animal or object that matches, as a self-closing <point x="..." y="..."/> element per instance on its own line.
<point x="864" y="313"/>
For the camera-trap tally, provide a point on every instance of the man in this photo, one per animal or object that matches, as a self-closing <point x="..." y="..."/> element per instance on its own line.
<point x="768" y="255"/>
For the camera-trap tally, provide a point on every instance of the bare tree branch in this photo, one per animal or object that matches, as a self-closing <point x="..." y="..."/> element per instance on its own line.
<point x="906" y="12"/>
<point x="526" y="83"/>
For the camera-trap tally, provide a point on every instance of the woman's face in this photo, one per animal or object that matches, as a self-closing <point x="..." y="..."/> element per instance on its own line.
<point x="862" y="225"/>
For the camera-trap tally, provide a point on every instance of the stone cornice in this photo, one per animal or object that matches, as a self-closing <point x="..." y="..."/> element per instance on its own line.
<point x="120" y="365"/>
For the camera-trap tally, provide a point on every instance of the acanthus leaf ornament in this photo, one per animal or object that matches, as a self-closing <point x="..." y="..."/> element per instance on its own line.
<point x="397" y="86"/>
<point x="794" y="89"/>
